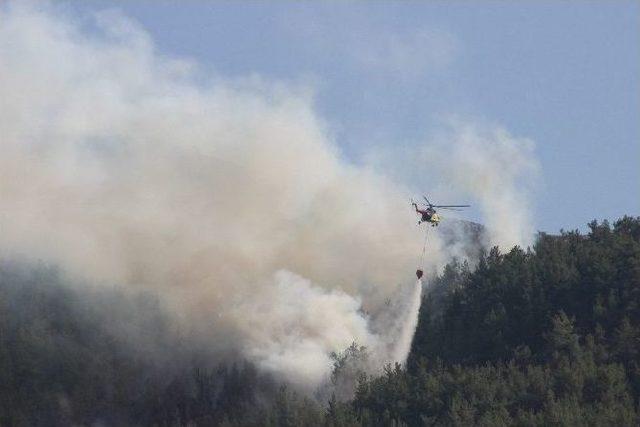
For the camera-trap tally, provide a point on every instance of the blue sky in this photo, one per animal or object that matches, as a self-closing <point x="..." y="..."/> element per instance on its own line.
<point x="564" y="74"/>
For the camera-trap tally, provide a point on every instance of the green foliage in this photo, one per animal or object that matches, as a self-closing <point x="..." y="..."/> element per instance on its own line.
<point x="548" y="336"/>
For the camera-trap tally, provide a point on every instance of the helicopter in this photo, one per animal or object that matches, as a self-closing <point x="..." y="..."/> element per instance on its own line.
<point x="429" y="214"/>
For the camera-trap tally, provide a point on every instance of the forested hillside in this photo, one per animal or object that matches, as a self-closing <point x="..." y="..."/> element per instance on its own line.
<point x="546" y="336"/>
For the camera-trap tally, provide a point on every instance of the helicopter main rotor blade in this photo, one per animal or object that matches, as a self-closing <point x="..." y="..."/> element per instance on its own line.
<point x="451" y="206"/>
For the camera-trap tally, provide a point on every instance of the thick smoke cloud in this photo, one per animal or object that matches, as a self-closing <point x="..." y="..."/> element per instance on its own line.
<point x="227" y="198"/>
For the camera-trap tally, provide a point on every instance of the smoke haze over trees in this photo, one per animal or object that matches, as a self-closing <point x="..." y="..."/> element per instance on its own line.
<point x="539" y="337"/>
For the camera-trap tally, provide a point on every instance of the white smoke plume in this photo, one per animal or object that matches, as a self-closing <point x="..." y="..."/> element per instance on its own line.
<point x="227" y="198"/>
<point x="494" y="168"/>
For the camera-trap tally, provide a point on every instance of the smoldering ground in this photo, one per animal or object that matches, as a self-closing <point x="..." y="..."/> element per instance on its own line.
<point x="226" y="198"/>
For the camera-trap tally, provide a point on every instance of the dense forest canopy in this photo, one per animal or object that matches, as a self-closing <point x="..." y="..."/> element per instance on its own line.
<point x="544" y="336"/>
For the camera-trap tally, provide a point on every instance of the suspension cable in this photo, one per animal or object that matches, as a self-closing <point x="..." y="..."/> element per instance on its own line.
<point x="424" y="248"/>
